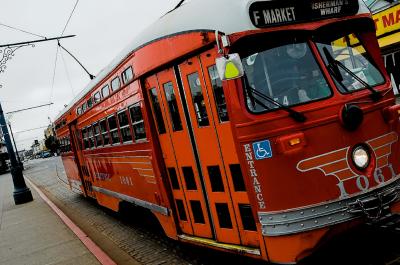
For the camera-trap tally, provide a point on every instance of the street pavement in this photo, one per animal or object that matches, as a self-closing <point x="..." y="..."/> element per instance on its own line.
<point x="32" y="233"/>
<point x="133" y="237"/>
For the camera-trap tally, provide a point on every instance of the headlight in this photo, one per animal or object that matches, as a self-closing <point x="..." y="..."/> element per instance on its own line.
<point x="360" y="157"/>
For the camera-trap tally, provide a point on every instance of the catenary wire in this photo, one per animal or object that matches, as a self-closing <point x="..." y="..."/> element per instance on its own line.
<point x="73" y="10"/>
<point x="24" y="31"/>
<point x="67" y="73"/>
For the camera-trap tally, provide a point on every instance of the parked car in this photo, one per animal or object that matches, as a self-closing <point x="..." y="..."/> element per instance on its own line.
<point x="45" y="154"/>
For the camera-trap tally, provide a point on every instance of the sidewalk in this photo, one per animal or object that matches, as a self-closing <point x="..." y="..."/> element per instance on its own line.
<point x="32" y="233"/>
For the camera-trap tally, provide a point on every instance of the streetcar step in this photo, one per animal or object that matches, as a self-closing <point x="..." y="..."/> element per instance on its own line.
<point x="213" y="243"/>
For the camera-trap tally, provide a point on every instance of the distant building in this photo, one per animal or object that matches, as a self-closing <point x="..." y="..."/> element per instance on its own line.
<point x="49" y="131"/>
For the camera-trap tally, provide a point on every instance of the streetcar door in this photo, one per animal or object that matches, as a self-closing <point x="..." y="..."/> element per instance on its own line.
<point x="186" y="185"/>
<point x="199" y="153"/>
<point x="82" y="168"/>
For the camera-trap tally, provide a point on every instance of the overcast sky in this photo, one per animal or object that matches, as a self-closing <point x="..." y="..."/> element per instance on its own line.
<point x="102" y="28"/>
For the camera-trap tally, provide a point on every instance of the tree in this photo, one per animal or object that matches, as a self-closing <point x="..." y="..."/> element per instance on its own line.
<point x="51" y="143"/>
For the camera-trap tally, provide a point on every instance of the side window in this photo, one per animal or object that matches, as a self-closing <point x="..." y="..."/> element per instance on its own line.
<point x="198" y="100"/>
<point x="97" y="136"/>
<point x="62" y="145"/>
<point x="105" y="91"/>
<point x="112" y="125"/>
<point x="83" y="107"/>
<point x="68" y="144"/>
<point x="218" y="94"/>
<point x="157" y="110"/>
<point x="104" y="132"/>
<point x="97" y="97"/>
<point x="172" y="107"/>
<point x="137" y="122"/>
<point x="90" y="136"/>
<point x="124" y="126"/>
<point x="115" y="84"/>
<point x="85" y="138"/>
<point x="79" y="110"/>
<point x="89" y="103"/>
<point x="127" y="75"/>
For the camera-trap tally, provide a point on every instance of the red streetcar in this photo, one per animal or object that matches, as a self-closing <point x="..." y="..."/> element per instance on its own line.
<point x="257" y="127"/>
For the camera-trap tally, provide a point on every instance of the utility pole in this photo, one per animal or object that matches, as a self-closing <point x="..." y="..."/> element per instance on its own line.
<point x="22" y="194"/>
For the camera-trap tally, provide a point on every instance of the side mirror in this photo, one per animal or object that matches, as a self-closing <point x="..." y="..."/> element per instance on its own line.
<point x="229" y="67"/>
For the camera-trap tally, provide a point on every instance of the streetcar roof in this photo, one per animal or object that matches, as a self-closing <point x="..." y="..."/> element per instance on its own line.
<point x="227" y="16"/>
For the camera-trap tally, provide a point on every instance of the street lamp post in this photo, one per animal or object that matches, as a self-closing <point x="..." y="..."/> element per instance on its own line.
<point x="15" y="146"/>
<point x="22" y="193"/>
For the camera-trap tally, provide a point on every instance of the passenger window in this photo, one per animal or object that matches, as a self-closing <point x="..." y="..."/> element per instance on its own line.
<point x="137" y="122"/>
<point x="78" y="111"/>
<point x="157" y="110"/>
<point x="97" y="97"/>
<point x="115" y="84"/>
<point x="89" y="103"/>
<point x="172" y="107"/>
<point x="62" y="145"/>
<point x="198" y="100"/>
<point x="218" y="94"/>
<point x="83" y="107"/>
<point x="104" y="132"/>
<point x="68" y="144"/>
<point x="105" y="91"/>
<point x="97" y="135"/>
<point x="90" y="136"/>
<point x="127" y="75"/>
<point x="112" y="124"/>
<point x="124" y="127"/>
<point x="85" y="138"/>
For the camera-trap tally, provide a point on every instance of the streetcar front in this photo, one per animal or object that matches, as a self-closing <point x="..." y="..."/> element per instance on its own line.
<point x="314" y="119"/>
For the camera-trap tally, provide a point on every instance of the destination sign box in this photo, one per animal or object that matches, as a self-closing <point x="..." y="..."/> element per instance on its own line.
<point x="271" y="13"/>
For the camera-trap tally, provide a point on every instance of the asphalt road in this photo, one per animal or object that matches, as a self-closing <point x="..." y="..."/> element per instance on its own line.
<point x="134" y="237"/>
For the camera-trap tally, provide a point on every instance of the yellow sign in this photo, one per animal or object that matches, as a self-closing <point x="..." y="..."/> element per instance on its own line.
<point x="387" y="23"/>
<point x="388" y="20"/>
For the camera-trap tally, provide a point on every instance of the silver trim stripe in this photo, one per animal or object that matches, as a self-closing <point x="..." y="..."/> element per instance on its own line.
<point x="138" y="202"/>
<point x="327" y="214"/>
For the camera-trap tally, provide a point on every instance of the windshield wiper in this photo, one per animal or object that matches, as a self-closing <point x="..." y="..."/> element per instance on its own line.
<point x="333" y="67"/>
<point x="297" y="116"/>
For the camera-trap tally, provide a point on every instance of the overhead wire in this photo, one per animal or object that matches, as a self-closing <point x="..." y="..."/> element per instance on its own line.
<point x="58" y="47"/>
<point x="67" y="73"/>
<point x="21" y="30"/>
<point x="73" y="10"/>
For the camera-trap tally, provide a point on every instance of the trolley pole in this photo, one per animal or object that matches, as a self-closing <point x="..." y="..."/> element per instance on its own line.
<point x="22" y="193"/>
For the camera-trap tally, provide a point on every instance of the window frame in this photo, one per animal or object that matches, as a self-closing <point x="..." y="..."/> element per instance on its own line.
<point x="125" y="126"/>
<point x="106" y="132"/>
<point x="135" y="123"/>
<point x="84" y="107"/>
<point x="94" y="125"/>
<point x="112" y="130"/>
<point x="99" y="98"/>
<point x="119" y="84"/>
<point x="124" y="82"/>
<point x="108" y="89"/>
<point x="89" y="106"/>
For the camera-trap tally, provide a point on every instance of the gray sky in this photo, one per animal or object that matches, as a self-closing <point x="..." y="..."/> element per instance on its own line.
<point x="103" y="29"/>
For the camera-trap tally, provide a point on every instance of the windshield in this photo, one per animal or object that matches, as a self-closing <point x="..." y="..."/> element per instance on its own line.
<point x="350" y="53"/>
<point x="287" y="73"/>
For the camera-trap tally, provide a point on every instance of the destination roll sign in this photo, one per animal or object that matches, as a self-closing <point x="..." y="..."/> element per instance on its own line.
<point x="271" y="13"/>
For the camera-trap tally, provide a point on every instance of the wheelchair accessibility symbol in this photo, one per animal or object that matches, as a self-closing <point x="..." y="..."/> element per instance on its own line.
<point x="262" y="150"/>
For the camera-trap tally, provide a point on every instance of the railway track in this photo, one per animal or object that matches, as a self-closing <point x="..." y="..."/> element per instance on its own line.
<point x="138" y="234"/>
